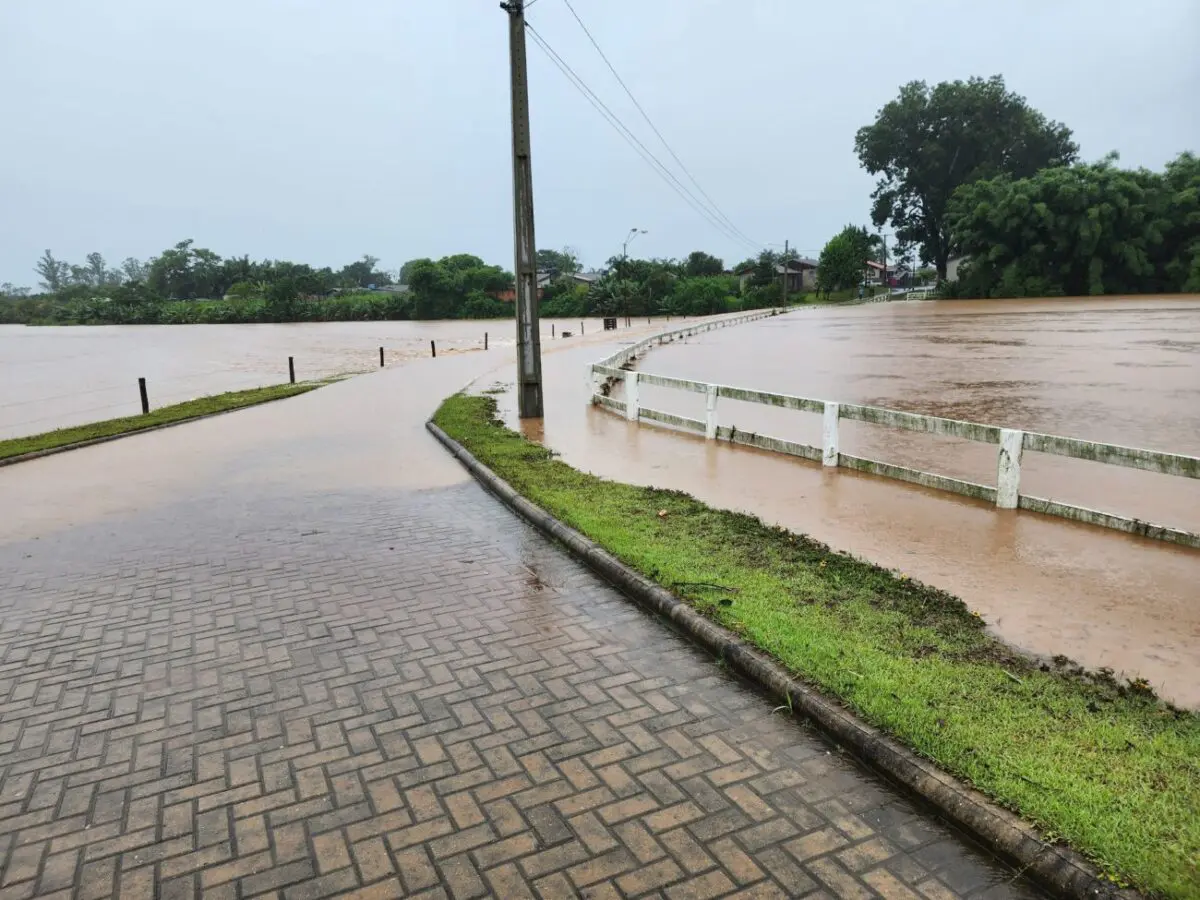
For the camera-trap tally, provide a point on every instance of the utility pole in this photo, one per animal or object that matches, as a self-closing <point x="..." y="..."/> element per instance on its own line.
<point x="887" y="285"/>
<point x="529" y="342"/>
<point x="787" y="269"/>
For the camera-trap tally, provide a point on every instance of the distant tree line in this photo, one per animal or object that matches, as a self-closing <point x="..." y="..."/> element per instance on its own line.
<point x="187" y="284"/>
<point x="697" y="285"/>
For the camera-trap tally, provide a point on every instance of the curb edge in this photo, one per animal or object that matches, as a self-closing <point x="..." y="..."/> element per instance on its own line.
<point x="91" y="442"/>
<point x="1058" y="868"/>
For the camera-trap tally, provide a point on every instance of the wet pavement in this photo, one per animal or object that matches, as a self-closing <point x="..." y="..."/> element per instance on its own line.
<point x="1111" y="370"/>
<point x="294" y="652"/>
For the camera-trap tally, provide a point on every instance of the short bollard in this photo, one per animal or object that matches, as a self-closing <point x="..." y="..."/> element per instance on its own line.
<point x="145" y="399"/>
<point x="292" y="369"/>
<point x="485" y="340"/>
<point x="551" y="329"/>
<point x="433" y="349"/>
<point x="381" y="357"/>
<point x="581" y="329"/>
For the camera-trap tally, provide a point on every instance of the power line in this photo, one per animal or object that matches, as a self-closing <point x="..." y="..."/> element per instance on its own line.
<point x="654" y="127"/>
<point x="647" y="155"/>
<point x="661" y="170"/>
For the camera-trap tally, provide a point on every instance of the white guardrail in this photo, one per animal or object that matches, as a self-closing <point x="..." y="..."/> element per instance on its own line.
<point x="1012" y="443"/>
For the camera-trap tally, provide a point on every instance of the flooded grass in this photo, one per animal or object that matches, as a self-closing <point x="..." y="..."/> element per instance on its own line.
<point x="1102" y="765"/>
<point x="178" y="412"/>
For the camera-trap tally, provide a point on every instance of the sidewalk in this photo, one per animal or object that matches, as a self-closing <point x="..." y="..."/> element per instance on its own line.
<point x="294" y="652"/>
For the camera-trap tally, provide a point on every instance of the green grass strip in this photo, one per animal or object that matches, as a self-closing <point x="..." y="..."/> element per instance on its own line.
<point x="1104" y="766"/>
<point x="179" y="412"/>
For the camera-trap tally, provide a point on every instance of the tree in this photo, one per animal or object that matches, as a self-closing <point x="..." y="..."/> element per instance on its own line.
<point x="928" y="142"/>
<point x="1083" y="229"/>
<point x="844" y="258"/>
<point x="10" y="291"/>
<point x="700" y="264"/>
<point x="363" y="273"/>
<point x="558" y="262"/>
<point x="132" y="270"/>
<point x="55" y="273"/>
<point x="766" y="268"/>
<point x="98" y="273"/>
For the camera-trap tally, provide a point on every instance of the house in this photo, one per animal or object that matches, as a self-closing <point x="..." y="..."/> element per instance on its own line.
<point x="801" y="275"/>
<point x="588" y="278"/>
<point x="952" y="265"/>
<point x="877" y="274"/>
<point x="510" y="295"/>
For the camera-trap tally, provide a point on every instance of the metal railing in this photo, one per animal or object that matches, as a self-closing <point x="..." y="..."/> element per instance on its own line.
<point x="1012" y="443"/>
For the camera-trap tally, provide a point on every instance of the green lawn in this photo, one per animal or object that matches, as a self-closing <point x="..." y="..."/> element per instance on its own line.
<point x="1103" y="765"/>
<point x="177" y="413"/>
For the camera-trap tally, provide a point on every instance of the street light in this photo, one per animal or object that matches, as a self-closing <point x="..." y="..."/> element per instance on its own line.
<point x="629" y="239"/>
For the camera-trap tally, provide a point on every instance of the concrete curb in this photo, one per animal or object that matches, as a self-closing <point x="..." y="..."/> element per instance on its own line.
<point x="79" y="445"/>
<point x="1060" y="869"/>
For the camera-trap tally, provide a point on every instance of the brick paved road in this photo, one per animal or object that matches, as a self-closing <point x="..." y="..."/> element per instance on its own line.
<point x="272" y="691"/>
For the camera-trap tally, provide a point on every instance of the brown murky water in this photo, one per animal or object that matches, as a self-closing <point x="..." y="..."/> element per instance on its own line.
<point x="54" y="377"/>
<point x="1123" y="371"/>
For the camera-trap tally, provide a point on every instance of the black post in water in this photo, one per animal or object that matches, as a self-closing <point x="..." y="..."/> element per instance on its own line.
<point x="145" y="399"/>
<point x="581" y="329"/>
<point x="551" y="329"/>
<point x="381" y="357"/>
<point x="292" y="369"/>
<point x="485" y="340"/>
<point x="433" y="349"/>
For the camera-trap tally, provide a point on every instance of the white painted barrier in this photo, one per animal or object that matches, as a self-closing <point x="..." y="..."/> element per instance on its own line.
<point x="1012" y="444"/>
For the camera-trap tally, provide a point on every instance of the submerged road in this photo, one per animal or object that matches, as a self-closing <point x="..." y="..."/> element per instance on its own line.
<point x="295" y="652"/>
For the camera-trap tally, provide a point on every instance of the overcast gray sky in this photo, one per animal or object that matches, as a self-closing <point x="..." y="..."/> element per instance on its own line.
<point x="319" y="130"/>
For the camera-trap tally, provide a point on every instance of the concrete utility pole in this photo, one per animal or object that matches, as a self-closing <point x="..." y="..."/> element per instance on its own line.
<point x="529" y="342"/>
<point x="787" y="270"/>
<point x="887" y="285"/>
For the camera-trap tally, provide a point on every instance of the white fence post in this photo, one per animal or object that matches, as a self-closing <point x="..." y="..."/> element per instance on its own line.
<point x="829" y="455"/>
<point x="631" y="396"/>
<point x="710" y="413"/>
<point x="1008" y="468"/>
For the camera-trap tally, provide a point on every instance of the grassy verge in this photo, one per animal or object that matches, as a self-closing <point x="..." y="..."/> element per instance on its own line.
<point x="1105" y="766"/>
<point x="167" y="414"/>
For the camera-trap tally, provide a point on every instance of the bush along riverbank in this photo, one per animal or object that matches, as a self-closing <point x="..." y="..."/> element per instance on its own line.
<point x="1102" y="765"/>
<point x="166" y="415"/>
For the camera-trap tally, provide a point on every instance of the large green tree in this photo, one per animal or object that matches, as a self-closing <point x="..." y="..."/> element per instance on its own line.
<point x="1084" y="229"/>
<point x="844" y="258"/>
<point x="700" y="264"/>
<point x="558" y="262"/>
<point x="928" y="142"/>
<point x="55" y="273"/>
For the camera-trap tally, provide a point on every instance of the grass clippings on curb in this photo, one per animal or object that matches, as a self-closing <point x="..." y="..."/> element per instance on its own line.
<point x="1104" y="766"/>
<point x="191" y="409"/>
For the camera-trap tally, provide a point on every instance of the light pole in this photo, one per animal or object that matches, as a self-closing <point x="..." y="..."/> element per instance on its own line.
<point x="629" y="239"/>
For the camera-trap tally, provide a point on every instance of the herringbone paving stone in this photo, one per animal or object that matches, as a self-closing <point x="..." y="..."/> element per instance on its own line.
<point x="404" y="694"/>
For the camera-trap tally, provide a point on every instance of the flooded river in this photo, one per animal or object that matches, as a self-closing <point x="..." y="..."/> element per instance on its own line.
<point x="54" y="377"/>
<point x="1122" y="371"/>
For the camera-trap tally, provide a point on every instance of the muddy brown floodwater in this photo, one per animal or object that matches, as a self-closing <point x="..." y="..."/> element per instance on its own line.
<point x="52" y="377"/>
<point x="1115" y="370"/>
